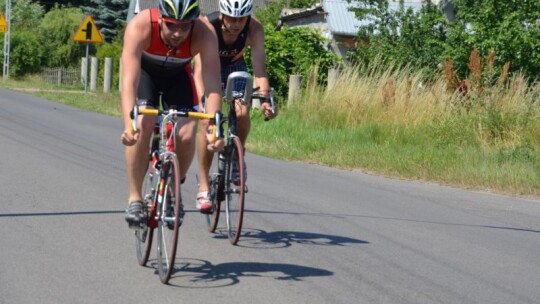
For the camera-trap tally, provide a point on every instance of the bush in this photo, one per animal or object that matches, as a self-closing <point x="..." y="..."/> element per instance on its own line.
<point x="295" y="51"/>
<point x="24" y="56"/>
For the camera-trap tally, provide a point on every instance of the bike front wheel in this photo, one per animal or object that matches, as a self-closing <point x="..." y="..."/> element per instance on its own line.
<point x="234" y="190"/>
<point x="144" y="232"/>
<point x="169" y="217"/>
<point x="216" y="192"/>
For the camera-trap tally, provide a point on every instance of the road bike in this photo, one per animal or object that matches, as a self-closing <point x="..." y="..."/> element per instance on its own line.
<point x="162" y="200"/>
<point x="227" y="190"/>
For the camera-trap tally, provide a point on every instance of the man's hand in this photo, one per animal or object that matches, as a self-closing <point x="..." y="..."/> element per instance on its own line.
<point x="216" y="145"/>
<point x="129" y="138"/>
<point x="267" y="111"/>
<point x="213" y="144"/>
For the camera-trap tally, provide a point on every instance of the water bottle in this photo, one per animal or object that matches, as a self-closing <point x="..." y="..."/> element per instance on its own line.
<point x="221" y="162"/>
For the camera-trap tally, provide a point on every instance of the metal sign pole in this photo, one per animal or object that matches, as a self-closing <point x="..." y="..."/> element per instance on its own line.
<point x="87" y="69"/>
<point x="7" y="40"/>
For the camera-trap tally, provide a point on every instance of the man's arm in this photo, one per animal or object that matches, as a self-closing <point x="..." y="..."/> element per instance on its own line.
<point x="258" y="56"/>
<point x="205" y="47"/>
<point x="198" y="77"/>
<point x="258" y="61"/>
<point x="136" y="39"/>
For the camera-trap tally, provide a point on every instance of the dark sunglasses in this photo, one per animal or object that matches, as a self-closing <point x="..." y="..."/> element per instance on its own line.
<point x="175" y="26"/>
<point x="234" y="19"/>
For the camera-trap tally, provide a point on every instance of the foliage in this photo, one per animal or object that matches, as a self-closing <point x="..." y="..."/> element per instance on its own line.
<point x="109" y="16"/>
<point x="24" y="56"/>
<point x="56" y="31"/>
<point x="508" y="28"/>
<point x="48" y="5"/>
<point x="426" y="39"/>
<point x="294" y="51"/>
<point x="269" y="16"/>
<point x="25" y="15"/>
<point x="400" y="37"/>
<point x="111" y="50"/>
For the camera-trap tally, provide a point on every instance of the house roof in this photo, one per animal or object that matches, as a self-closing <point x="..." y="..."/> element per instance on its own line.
<point x="342" y="21"/>
<point x="288" y="14"/>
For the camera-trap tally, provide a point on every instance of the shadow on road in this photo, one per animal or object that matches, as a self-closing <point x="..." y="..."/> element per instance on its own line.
<point x="60" y="213"/>
<point x="254" y="238"/>
<point x="195" y="273"/>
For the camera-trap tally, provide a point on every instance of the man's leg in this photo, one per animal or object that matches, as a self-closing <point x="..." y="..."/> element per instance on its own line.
<point x="185" y="145"/>
<point x="137" y="158"/>
<point x="243" y="122"/>
<point x="204" y="156"/>
<point x="136" y="165"/>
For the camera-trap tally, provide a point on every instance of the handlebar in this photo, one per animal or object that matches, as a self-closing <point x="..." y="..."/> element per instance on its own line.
<point x="269" y="98"/>
<point x="218" y="132"/>
<point x="248" y="94"/>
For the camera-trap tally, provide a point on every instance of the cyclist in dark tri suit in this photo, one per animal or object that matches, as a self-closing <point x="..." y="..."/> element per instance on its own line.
<point x="236" y="29"/>
<point x="159" y="44"/>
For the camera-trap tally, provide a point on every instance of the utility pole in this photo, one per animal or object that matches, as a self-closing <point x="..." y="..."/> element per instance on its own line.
<point x="7" y="39"/>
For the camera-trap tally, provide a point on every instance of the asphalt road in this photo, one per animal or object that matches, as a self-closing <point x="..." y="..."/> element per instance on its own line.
<point x="312" y="234"/>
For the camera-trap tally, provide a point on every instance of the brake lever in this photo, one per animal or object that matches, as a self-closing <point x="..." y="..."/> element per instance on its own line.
<point x="272" y="103"/>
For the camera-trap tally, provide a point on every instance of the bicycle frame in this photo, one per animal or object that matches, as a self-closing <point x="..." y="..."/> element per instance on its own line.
<point x="163" y="200"/>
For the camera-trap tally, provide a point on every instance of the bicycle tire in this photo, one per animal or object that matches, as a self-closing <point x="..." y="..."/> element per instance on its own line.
<point x="215" y="178"/>
<point x="144" y="233"/>
<point x="169" y="210"/>
<point x="234" y="191"/>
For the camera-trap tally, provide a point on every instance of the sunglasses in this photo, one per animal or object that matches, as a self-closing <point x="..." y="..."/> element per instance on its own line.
<point x="235" y="20"/>
<point x="175" y="26"/>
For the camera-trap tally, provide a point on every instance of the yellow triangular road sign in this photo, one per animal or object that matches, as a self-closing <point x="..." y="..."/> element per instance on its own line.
<point x="88" y="32"/>
<point x="3" y="23"/>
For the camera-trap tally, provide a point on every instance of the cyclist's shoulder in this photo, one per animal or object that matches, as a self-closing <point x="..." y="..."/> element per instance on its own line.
<point x="254" y="23"/>
<point x="255" y="29"/>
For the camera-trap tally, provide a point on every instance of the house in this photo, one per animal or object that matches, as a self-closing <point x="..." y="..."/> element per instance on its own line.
<point x="335" y="21"/>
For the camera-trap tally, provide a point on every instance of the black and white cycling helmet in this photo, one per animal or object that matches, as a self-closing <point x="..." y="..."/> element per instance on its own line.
<point x="181" y="10"/>
<point x="236" y="8"/>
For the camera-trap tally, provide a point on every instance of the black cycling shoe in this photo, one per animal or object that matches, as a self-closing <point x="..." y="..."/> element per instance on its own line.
<point x="134" y="213"/>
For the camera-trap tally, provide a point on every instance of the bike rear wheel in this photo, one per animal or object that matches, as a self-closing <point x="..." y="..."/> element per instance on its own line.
<point x="169" y="217"/>
<point x="235" y="191"/>
<point x="144" y="233"/>
<point x="216" y="193"/>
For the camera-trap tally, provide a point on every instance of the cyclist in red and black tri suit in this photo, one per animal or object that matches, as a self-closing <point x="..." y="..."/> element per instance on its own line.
<point x="159" y="44"/>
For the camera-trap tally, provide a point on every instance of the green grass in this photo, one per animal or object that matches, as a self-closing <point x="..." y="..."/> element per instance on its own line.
<point x="386" y="124"/>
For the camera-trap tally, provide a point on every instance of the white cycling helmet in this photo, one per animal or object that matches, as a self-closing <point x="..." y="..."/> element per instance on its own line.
<point x="236" y="8"/>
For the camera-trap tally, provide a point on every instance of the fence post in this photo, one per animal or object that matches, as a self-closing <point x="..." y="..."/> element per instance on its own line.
<point x="107" y="79"/>
<point x="83" y="69"/>
<point x="295" y="86"/>
<point x="120" y="76"/>
<point x="60" y="70"/>
<point x="333" y="75"/>
<point x="93" y="74"/>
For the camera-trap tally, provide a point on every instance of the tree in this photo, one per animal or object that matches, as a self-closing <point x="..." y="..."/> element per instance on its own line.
<point x="24" y="14"/>
<point x="400" y="37"/>
<point x="25" y="51"/>
<point x="48" y="5"/>
<point x="109" y="15"/>
<point x="56" y="32"/>
<point x="509" y="29"/>
<point x="295" y="51"/>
